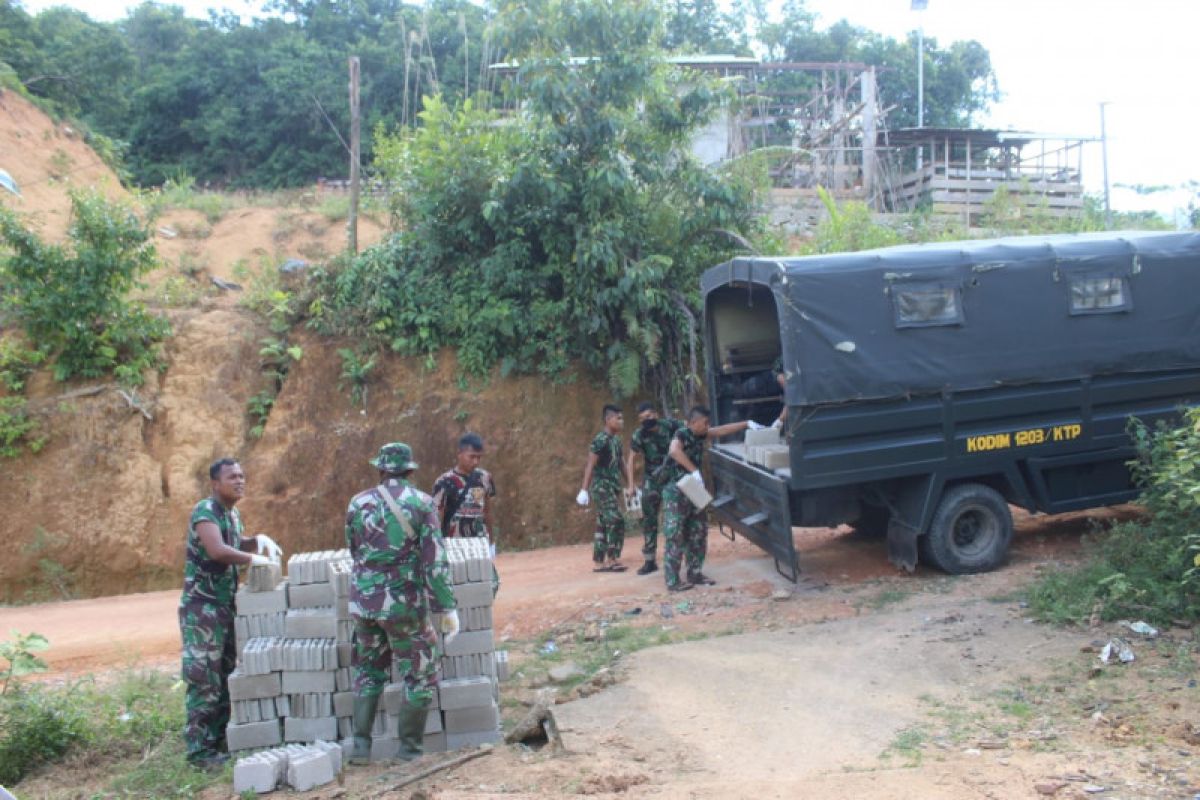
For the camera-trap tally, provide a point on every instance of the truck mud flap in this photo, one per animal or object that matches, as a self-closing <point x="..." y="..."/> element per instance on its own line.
<point x="753" y="502"/>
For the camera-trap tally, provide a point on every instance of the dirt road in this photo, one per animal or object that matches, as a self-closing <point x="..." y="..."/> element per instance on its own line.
<point x="857" y="682"/>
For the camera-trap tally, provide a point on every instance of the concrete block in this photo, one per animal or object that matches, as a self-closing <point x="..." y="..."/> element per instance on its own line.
<point x="311" y="623"/>
<point x="469" y="642"/>
<point x="258" y="773"/>
<point x="776" y="457"/>
<point x="306" y="654"/>
<point x="252" y="735"/>
<point x="308" y="682"/>
<point x="457" y="740"/>
<point x="316" y="704"/>
<point x="345" y="652"/>
<point x="299" y="729"/>
<point x="310" y="595"/>
<point x="393" y="698"/>
<point x="472" y="595"/>
<point x="433" y="722"/>
<point x="313" y="567"/>
<point x="340" y="576"/>
<point x="345" y="726"/>
<point x="343" y="679"/>
<point x="384" y="748"/>
<point x="434" y="743"/>
<point x="337" y="754"/>
<point x="310" y="771"/>
<point x="501" y="660"/>
<point x="258" y="656"/>
<point x="264" y="577"/>
<point x="472" y="720"/>
<point x="457" y="693"/>
<point x="345" y="630"/>
<point x="343" y="704"/>
<point x="762" y="437"/>
<point x="253" y="687"/>
<point x="253" y="603"/>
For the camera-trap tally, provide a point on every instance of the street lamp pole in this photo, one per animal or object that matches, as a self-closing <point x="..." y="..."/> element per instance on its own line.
<point x="920" y="5"/>
<point x="1104" y="163"/>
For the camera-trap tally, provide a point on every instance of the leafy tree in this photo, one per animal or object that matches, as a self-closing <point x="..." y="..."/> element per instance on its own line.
<point x="73" y="300"/>
<point x="576" y="229"/>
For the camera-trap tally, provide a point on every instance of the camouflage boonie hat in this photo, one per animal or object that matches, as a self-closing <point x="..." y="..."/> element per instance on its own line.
<point x="394" y="457"/>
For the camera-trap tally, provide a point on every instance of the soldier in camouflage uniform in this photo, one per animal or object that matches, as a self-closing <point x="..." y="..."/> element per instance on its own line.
<point x="464" y="496"/>
<point x="602" y="476"/>
<point x="652" y="440"/>
<point x="401" y="578"/>
<point x="215" y="547"/>
<point x="684" y="526"/>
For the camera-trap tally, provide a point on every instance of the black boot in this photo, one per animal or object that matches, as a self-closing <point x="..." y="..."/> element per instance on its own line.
<point x="412" y="730"/>
<point x="648" y="567"/>
<point x="364" y="720"/>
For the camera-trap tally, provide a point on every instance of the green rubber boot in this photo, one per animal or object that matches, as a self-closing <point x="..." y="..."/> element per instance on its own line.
<point x="364" y="720"/>
<point x="412" y="730"/>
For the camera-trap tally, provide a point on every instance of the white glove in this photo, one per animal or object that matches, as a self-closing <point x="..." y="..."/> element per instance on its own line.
<point x="582" y="498"/>
<point x="696" y="474"/>
<point x="754" y="426"/>
<point x="777" y="424"/>
<point x="449" y="625"/>
<point x="260" y="561"/>
<point x="267" y="547"/>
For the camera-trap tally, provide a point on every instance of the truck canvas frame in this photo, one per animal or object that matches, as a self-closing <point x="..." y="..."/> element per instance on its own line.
<point x="928" y="387"/>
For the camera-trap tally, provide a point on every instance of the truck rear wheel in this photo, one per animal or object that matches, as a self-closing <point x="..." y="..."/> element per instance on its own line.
<point x="971" y="530"/>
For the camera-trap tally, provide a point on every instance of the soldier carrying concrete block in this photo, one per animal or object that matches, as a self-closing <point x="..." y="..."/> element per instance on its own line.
<point x="206" y="608"/>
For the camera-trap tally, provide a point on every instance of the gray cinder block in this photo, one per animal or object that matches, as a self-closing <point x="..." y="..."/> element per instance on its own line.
<point x="258" y="773"/>
<point x="384" y="748"/>
<point x="251" y="603"/>
<point x="343" y="704"/>
<point x="310" y="770"/>
<point x="459" y="693"/>
<point x="299" y="729"/>
<point x="433" y="722"/>
<point x="252" y="735"/>
<point x="309" y="682"/>
<point x="472" y="595"/>
<point x="472" y="720"/>
<point x="253" y="687"/>
<point x="311" y="623"/>
<point x="310" y="595"/>
<point x="434" y="743"/>
<point x="470" y="642"/>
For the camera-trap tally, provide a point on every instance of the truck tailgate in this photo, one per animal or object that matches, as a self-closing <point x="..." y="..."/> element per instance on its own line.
<point x="753" y="502"/>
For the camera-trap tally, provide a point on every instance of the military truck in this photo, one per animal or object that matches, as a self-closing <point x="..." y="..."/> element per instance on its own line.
<point x="930" y="387"/>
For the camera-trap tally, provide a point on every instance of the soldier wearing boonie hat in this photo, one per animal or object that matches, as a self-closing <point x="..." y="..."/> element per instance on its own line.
<point x="400" y="580"/>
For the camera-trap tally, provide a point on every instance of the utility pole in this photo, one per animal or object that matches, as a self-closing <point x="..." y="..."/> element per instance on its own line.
<point x="1104" y="163"/>
<point x="352" y="220"/>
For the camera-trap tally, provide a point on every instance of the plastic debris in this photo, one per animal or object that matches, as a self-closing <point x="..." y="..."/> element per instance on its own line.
<point x="1117" y="649"/>
<point x="1144" y="629"/>
<point x="293" y="265"/>
<point x="550" y="647"/>
<point x="8" y="183"/>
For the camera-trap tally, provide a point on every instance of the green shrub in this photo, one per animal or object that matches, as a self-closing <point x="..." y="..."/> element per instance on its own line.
<point x="17" y="429"/>
<point x="1147" y="569"/>
<point x="17" y="363"/>
<point x="36" y="728"/>
<point x="74" y="301"/>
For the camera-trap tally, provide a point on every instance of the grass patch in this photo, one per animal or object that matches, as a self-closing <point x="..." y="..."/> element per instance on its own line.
<point x="122" y="733"/>
<point x="907" y="745"/>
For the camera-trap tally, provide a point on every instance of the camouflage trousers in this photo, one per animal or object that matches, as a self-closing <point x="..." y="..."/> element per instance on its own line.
<point x="686" y="530"/>
<point x="609" y="539"/>
<point x="406" y="643"/>
<point x="209" y="655"/>
<point x="651" y="505"/>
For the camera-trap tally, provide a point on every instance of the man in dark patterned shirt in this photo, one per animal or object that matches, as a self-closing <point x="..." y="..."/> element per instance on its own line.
<point x="463" y="497"/>
<point x="602" y="476"/>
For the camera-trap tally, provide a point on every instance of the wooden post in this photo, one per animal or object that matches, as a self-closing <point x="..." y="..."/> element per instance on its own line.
<point x="355" y="125"/>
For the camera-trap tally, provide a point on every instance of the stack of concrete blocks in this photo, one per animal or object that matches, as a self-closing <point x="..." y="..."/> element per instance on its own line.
<point x="766" y="448"/>
<point x="300" y="766"/>
<point x="294" y="659"/>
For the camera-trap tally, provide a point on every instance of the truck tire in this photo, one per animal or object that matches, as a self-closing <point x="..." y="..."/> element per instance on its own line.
<point x="970" y="532"/>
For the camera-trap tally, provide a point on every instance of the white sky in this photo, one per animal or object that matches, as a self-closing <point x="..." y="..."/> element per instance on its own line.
<point x="1055" y="61"/>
